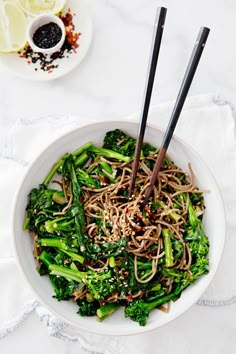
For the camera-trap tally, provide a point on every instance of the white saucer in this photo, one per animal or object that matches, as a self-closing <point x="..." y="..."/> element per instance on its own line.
<point x="83" y="25"/>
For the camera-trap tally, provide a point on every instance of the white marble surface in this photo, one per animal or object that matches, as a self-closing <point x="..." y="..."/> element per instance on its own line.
<point x="110" y="82"/>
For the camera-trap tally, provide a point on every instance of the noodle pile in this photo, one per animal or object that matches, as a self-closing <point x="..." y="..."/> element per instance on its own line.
<point x="104" y="249"/>
<point x="121" y="217"/>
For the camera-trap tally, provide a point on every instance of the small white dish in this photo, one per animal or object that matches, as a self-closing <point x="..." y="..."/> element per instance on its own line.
<point x="40" y="21"/>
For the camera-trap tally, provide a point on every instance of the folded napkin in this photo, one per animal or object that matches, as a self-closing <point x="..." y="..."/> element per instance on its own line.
<point x="207" y="124"/>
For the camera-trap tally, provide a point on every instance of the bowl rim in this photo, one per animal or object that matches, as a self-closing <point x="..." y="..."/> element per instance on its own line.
<point x="139" y="329"/>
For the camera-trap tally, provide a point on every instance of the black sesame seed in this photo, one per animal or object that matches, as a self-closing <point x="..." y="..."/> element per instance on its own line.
<point x="47" y="36"/>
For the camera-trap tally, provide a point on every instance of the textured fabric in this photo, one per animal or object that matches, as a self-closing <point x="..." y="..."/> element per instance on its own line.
<point x="206" y="121"/>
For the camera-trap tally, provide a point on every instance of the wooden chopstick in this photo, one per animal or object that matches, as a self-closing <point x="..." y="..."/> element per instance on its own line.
<point x="186" y="83"/>
<point x="154" y="53"/>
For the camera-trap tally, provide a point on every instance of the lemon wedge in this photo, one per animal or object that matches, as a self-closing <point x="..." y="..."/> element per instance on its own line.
<point x="13" y="25"/>
<point x="38" y="7"/>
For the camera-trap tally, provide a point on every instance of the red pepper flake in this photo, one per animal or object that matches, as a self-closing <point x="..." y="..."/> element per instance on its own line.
<point x="48" y="62"/>
<point x="102" y="179"/>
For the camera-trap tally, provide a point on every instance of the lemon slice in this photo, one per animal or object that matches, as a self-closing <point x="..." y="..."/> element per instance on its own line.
<point x="38" y="7"/>
<point x="13" y="25"/>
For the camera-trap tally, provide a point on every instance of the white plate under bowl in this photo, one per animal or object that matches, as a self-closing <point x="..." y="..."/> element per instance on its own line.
<point x="83" y="24"/>
<point x="117" y="324"/>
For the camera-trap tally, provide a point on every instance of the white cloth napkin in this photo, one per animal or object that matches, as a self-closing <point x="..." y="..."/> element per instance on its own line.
<point x="207" y="124"/>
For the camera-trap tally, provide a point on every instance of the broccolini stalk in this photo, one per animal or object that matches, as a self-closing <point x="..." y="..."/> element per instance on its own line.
<point x="106" y="310"/>
<point x="59" y="198"/>
<point x="74" y="256"/>
<point x="46" y="258"/>
<point x="193" y="219"/>
<point x="62" y="246"/>
<point x="175" y="216"/>
<point x="99" y="284"/>
<point x="54" y="169"/>
<point x="109" y="154"/>
<point x="155" y="287"/>
<point x="54" y="242"/>
<point x="108" y="171"/>
<point x="106" y="167"/>
<point x="81" y="159"/>
<point x="58" y="224"/>
<point x="112" y="261"/>
<point x="79" y="217"/>
<point x="168" y="247"/>
<point x="25" y="226"/>
<point x="82" y="149"/>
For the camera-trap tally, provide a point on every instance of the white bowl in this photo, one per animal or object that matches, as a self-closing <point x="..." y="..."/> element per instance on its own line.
<point x="117" y="324"/>
<point x="39" y="21"/>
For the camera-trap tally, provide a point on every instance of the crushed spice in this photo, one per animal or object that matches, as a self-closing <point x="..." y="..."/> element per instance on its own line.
<point x="50" y="62"/>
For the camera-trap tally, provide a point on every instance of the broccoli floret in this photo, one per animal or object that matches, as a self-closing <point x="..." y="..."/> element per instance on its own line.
<point x="199" y="268"/>
<point x="63" y="288"/>
<point x="139" y="310"/>
<point x="118" y="141"/>
<point x="114" y="136"/>
<point x="113" y="139"/>
<point x="87" y="308"/>
<point x="147" y="149"/>
<point x="200" y="247"/>
<point x="98" y="284"/>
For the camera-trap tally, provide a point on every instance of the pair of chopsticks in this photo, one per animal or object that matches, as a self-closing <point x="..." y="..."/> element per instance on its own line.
<point x="184" y="88"/>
